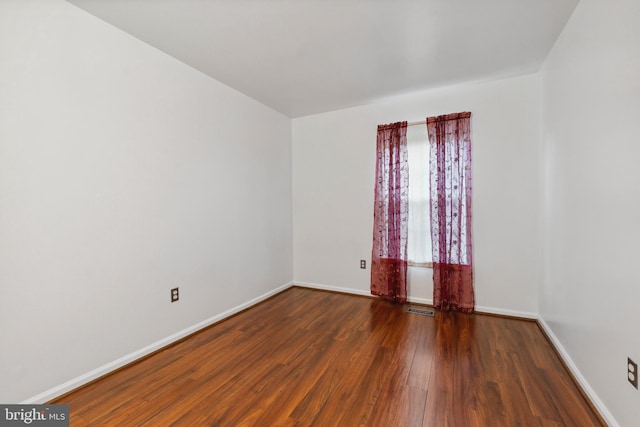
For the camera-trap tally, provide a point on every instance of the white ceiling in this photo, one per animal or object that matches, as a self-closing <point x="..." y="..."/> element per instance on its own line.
<point x="308" y="56"/>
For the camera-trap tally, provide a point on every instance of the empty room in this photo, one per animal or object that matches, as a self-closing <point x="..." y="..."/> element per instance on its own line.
<point x="327" y="213"/>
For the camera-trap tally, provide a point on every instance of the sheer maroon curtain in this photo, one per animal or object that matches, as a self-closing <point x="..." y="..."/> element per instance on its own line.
<point x="450" y="182"/>
<point x="391" y="207"/>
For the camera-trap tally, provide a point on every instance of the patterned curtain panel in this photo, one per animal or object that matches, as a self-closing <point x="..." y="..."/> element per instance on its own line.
<point x="391" y="208"/>
<point x="450" y="186"/>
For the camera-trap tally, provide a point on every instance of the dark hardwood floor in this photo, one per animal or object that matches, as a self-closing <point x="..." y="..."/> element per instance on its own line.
<point x="307" y="357"/>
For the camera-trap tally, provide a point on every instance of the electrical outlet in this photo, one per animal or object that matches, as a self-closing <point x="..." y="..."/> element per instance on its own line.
<point x="175" y="295"/>
<point x="632" y="372"/>
<point x="363" y="263"/>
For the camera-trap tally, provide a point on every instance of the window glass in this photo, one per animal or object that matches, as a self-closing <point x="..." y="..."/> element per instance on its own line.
<point x="419" y="240"/>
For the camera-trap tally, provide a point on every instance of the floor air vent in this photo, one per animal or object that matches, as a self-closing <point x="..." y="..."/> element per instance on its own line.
<point x="421" y="311"/>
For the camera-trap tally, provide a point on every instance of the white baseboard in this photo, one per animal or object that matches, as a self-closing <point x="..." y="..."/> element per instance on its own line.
<point x="604" y="412"/>
<point x="506" y="312"/>
<point x="354" y="291"/>
<point x="332" y="288"/>
<point x="124" y="360"/>
<point x="426" y="301"/>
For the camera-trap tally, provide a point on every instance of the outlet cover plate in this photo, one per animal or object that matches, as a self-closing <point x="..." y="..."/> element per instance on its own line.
<point x="175" y="295"/>
<point x="632" y="372"/>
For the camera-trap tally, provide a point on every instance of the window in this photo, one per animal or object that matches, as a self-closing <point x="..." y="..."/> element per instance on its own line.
<point x="419" y="237"/>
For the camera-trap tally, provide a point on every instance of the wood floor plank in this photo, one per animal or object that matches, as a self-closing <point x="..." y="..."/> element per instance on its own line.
<point x="308" y="357"/>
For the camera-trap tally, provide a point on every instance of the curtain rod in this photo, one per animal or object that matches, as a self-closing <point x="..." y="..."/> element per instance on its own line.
<point x="422" y="122"/>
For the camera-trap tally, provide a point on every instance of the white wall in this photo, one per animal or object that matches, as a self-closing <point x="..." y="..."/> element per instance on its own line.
<point x="333" y="181"/>
<point x="591" y="101"/>
<point x="124" y="173"/>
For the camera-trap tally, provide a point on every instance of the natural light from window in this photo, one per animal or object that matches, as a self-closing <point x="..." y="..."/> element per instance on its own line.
<point x="419" y="239"/>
